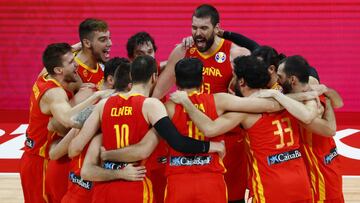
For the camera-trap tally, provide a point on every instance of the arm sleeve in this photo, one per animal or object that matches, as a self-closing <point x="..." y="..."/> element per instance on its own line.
<point x="241" y="40"/>
<point x="168" y="131"/>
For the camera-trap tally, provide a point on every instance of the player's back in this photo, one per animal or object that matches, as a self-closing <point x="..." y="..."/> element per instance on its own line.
<point x="198" y="163"/>
<point x="275" y="158"/>
<point x="123" y="124"/>
<point x="323" y="164"/>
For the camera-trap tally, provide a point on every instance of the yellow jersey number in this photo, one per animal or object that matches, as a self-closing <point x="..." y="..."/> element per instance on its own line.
<point x="281" y="132"/>
<point x="122" y="135"/>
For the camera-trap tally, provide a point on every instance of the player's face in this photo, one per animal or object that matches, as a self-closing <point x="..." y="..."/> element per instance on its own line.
<point x="69" y="68"/>
<point x="146" y="48"/>
<point x="100" y="46"/>
<point x="203" y="33"/>
<point x="283" y="79"/>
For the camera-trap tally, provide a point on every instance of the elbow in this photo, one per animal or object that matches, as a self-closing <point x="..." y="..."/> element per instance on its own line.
<point x="338" y="104"/>
<point x="73" y="153"/>
<point x="332" y="131"/>
<point x="307" y="120"/>
<point x="84" y="173"/>
<point x="53" y="156"/>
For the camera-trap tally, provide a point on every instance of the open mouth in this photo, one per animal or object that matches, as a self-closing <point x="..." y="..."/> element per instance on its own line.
<point x="106" y="53"/>
<point x="200" y="42"/>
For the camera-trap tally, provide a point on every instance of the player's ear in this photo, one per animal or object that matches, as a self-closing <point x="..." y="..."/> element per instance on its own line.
<point x="217" y="27"/>
<point x="242" y="82"/>
<point x="58" y="70"/>
<point x="293" y="80"/>
<point x="86" y="43"/>
<point x="271" y="69"/>
<point x="110" y="80"/>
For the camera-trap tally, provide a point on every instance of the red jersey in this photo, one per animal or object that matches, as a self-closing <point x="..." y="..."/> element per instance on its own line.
<point x="217" y="70"/>
<point x="90" y="75"/>
<point x="180" y="163"/>
<point x="37" y="132"/>
<point x="323" y="164"/>
<point x="123" y="124"/>
<point x="274" y="158"/>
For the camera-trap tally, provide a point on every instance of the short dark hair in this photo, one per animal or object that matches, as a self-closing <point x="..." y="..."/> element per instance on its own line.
<point x="297" y="66"/>
<point x="252" y="70"/>
<point x="122" y="77"/>
<point x="206" y="10"/>
<point x="113" y="64"/>
<point x="52" y="56"/>
<point x="142" y="68"/>
<point x="137" y="39"/>
<point x="90" y="25"/>
<point x="188" y="72"/>
<point x="269" y="55"/>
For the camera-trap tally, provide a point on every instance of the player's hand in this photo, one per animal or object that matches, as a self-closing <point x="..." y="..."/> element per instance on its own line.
<point x="219" y="32"/>
<point x="76" y="47"/>
<point x="132" y="173"/>
<point x="88" y="85"/>
<point x="104" y="93"/>
<point x="231" y="87"/>
<point x="218" y="147"/>
<point x="179" y="97"/>
<point x="187" y="42"/>
<point x="103" y="154"/>
<point x="320" y="89"/>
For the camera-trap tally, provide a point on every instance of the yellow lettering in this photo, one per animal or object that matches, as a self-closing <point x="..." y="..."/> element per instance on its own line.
<point x="122" y="111"/>
<point x="211" y="71"/>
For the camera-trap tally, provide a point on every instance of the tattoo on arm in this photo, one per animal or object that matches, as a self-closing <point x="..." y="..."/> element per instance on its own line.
<point x="81" y="117"/>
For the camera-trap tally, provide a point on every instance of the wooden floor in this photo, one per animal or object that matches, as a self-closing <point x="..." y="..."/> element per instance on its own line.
<point x="10" y="189"/>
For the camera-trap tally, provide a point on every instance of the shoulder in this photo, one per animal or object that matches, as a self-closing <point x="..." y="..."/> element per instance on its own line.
<point x="55" y="94"/>
<point x="236" y="51"/>
<point x="152" y="102"/>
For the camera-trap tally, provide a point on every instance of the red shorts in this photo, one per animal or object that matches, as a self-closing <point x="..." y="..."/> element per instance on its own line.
<point x="73" y="196"/>
<point x="32" y="174"/>
<point x="57" y="174"/>
<point x="235" y="163"/>
<point x="197" y="188"/>
<point x="123" y="192"/>
<point x="155" y="165"/>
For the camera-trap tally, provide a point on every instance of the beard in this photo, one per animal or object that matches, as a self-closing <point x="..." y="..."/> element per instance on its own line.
<point x="287" y="88"/>
<point x="237" y="90"/>
<point x="208" y="42"/>
<point x="97" y="55"/>
<point x="69" y="78"/>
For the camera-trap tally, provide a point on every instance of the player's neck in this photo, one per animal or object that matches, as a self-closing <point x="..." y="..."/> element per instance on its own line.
<point x="140" y="88"/>
<point x="59" y="79"/>
<point x="302" y="87"/>
<point x="214" y="46"/>
<point x="86" y="57"/>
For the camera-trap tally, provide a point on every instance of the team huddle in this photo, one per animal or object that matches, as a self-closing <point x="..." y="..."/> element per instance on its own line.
<point x="243" y="117"/>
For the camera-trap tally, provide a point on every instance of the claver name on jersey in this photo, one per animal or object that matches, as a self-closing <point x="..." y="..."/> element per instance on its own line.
<point x="122" y="111"/>
<point x="211" y="71"/>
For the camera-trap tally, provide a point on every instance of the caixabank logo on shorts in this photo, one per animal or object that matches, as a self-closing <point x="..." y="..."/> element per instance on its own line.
<point x="189" y="160"/>
<point x="283" y="157"/>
